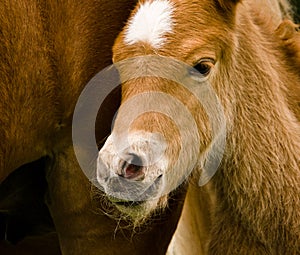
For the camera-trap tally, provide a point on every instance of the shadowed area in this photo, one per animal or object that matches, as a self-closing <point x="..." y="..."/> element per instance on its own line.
<point x="296" y="8"/>
<point x="26" y="226"/>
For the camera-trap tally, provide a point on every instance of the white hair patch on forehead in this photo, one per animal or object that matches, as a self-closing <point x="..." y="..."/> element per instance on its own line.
<point x="150" y="23"/>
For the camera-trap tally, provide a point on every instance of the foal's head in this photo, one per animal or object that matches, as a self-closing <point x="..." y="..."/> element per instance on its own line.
<point x="173" y="58"/>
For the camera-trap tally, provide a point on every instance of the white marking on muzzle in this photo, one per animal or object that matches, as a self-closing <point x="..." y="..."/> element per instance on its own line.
<point x="150" y="23"/>
<point x="150" y="147"/>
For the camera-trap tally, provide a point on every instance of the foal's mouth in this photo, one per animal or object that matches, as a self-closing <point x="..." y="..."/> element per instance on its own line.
<point x="125" y="203"/>
<point x="147" y="195"/>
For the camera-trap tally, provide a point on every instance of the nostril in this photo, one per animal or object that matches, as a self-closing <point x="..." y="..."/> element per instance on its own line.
<point x="133" y="169"/>
<point x="136" y="160"/>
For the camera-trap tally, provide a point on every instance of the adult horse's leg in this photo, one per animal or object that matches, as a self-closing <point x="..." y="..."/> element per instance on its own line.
<point x="82" y="230"/>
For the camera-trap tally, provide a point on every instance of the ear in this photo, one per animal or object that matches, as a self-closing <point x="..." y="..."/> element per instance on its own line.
<point x="227" y="5"/>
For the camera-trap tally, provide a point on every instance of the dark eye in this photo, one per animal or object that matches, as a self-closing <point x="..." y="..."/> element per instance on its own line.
<point x="204" y="67"/>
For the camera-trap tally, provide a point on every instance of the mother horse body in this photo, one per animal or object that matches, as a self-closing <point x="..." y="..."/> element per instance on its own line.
<point x="254" y="196"/>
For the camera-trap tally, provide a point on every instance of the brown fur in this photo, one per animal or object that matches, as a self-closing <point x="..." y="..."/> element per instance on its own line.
<point x="257" y="187"/>
<point x="288" y="32"/>
<point x="289" y="35"/>
<point x="48" y="52"/>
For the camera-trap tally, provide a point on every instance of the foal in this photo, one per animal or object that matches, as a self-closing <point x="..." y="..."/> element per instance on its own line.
<point x="241" y="78"/>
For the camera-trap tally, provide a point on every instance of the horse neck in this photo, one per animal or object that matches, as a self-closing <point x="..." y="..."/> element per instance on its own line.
<point x="264" y="133"/>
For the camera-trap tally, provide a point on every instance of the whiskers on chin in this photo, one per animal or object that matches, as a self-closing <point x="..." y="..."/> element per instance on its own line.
<point x="135" y="218"/>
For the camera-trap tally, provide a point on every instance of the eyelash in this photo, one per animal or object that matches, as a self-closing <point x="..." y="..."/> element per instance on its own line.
<point x="203" y="67"/>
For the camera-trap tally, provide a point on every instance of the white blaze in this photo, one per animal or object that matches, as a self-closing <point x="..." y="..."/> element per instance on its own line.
<point x="150" y="23"/>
